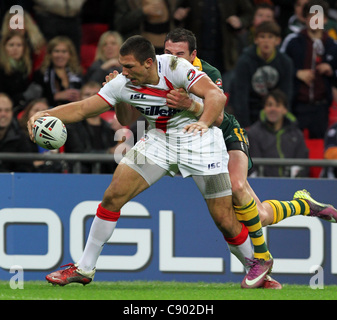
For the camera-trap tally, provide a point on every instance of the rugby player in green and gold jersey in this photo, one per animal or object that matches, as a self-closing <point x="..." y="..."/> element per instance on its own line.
<point x="249" y="209"/>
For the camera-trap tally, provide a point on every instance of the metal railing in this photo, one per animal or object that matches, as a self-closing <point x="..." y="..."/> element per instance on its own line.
<point x="96" y="159"/>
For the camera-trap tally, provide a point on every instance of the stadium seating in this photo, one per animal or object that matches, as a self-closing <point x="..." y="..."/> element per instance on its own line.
<point x="88" y="52"/>
<point x="316" y="151"/>
<point x="91" y="33"/>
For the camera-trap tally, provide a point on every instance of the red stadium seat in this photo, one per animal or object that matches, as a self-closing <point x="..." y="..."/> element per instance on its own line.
<point x="92" y="31"/>
<point x="316" y="151"/>
<point x="88" y="52"/>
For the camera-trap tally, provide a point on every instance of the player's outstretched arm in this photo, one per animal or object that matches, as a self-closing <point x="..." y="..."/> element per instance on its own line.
<point x="72" y="112"/>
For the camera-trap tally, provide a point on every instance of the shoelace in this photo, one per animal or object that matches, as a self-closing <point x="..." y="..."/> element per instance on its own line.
<point x="69" y="269"/>
<point x="253" y="265"/>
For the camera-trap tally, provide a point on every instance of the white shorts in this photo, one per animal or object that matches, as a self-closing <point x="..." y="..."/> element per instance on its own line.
<point x="156" y="155"/>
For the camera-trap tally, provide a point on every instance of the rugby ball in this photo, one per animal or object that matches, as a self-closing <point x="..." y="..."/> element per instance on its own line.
<point x="50" y="132"/>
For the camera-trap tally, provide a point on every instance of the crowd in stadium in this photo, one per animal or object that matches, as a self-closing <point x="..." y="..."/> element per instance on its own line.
<point x="278" y="65"/>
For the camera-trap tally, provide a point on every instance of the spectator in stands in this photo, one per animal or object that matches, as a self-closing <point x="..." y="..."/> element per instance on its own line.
<point x="106" y="59"/>
<point x="152" y="19"/>
<point x="12" y="139"/>
<point x="92" y="135"/>
<point x="296" y="22"/>
<point x="276" y="135"/>
<point x="220" y="40"/>
<point x="260" y="68"/>
<point x="314" y="55"/>
<point x="39" y="165"/>
<point x="60" y="74"/>
<point x="16" y="70"/>
<point x="330" y="152"/>
<point x="60" y="18"/>
<point x="263" y="12"/>
<point x="33" y="35"/>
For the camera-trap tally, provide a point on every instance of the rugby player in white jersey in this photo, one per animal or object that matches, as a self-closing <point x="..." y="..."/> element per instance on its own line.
<point x="176" y="141"/>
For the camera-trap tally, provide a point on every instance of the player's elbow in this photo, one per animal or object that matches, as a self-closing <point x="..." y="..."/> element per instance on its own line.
<point x="223" y="99"/>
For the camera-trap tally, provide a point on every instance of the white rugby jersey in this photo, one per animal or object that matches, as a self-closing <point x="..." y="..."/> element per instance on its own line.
<point x="150" y="100"/>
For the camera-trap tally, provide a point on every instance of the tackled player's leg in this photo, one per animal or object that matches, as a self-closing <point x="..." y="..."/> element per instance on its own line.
<point x="116" y="195"/>
<point x="216" y="190"/>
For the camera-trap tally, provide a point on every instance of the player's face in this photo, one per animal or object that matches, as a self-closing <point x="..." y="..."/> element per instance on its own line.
<point x="135" y="71"/>
<point x="179" y="49"/>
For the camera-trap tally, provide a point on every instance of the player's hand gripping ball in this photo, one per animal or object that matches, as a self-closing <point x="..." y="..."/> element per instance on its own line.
<point x="50" y="132"/>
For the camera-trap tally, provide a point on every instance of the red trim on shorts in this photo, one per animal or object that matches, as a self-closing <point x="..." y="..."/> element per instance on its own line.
<point x="105" y="214"/>
<point x="240" y="238"/>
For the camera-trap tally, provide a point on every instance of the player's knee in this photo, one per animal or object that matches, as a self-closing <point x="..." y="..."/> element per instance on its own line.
<point x="112" y="202"/>
<point x="114" y="196"/>
<point x="238" y="188"/>
<point x="263" y="218"/>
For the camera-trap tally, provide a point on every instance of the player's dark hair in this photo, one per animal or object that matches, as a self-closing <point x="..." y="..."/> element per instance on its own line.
<point x="182" y="35"/>
<point x="268" y="27"/>
<point x="139" y="47"/>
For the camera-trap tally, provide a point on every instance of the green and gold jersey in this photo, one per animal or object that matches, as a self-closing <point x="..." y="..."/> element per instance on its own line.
<point x="229" y="122"/>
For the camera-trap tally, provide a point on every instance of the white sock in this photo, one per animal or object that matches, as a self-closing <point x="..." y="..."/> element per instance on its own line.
<point x="100" y="233"/>
<point x="242" y="251"/>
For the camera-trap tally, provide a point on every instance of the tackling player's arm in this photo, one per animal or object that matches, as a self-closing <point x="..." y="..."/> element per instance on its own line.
<point x="214" y="104"/>
<point x="179" y="99"/>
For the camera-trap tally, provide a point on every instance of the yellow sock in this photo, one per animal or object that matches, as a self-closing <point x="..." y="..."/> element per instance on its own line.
<point x="285" y="209"/>
<point x="249" y="215"/>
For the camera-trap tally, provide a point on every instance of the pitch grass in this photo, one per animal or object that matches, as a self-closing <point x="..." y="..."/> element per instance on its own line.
<point x="156" y="290"/>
